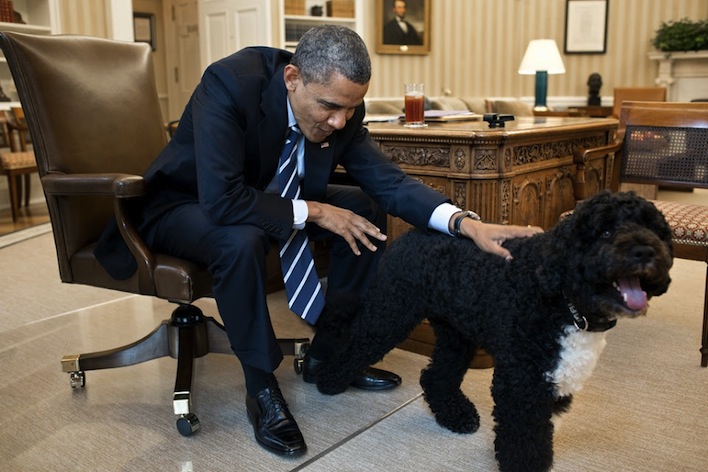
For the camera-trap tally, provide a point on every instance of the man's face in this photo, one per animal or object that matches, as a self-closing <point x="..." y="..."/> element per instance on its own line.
<point x="399" y="9"/>
<point x="320" y="109"/>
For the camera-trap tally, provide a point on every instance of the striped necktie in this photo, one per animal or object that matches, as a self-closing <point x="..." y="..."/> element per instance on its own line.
<point x="302" y="285"/>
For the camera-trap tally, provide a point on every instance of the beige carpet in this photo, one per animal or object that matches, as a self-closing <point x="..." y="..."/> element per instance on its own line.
<point x="645" y="408"/>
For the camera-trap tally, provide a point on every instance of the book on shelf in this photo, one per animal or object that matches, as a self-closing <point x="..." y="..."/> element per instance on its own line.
<point x="294" y="7"/>
<point x="7" y="14"/>
<point x="340" y="8"/>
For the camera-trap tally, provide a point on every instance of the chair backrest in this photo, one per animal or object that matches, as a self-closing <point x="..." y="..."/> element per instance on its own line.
<point x="664" y="143"/>
<point x="91" y="107"/>
<point x="648" y="94"/>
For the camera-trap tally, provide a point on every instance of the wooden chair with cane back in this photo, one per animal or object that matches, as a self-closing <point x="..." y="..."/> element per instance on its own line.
<point x="664" y="143"/>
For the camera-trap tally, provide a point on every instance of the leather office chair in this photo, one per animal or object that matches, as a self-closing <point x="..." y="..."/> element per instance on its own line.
<point x="663" y="143"/>
<point x="94" y="116"/>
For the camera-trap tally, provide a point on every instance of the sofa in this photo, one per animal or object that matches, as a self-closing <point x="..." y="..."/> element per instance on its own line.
<point x="480" y="105"/>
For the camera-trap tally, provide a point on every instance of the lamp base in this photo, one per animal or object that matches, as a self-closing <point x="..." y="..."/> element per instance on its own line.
<point x="541" y="89"/>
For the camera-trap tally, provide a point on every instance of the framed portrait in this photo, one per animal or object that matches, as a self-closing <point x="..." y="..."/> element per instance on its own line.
<point x="403" y="26"/>
<point x="144" y="28"/>
<point x="586" y="26"/>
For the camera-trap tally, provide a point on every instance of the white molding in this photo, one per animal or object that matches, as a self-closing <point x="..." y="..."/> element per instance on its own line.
<point x="684" y="74"/>
<point x="120" y="20"/>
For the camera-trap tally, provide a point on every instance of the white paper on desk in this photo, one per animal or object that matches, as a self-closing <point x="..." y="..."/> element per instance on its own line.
<point x="430" y="115"/>
<point x="376" y="118"/>
<point x="451" y="115"/>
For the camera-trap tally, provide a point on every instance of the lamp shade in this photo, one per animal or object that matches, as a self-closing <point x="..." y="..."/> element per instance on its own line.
<point x="542" y="55"/>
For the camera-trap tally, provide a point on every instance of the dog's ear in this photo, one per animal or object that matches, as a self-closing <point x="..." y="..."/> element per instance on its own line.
<point x="553" y="271"/>
<point x="657" y="222"/>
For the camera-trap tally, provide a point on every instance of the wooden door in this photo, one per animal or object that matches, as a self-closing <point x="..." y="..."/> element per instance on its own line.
<point x="183" y="57"/>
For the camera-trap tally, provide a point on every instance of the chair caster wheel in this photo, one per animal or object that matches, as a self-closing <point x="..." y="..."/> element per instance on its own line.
<point x="188" y="424"/>
<point x="297" y="364"/>
<point x="77" y="379"/>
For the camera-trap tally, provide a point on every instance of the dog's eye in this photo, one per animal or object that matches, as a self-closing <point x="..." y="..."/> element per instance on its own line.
<point x="606" y="234"/>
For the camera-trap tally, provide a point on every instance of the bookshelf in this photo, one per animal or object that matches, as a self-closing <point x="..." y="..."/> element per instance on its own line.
<point x="298" y="16"/>
<point x="39" y="17"/>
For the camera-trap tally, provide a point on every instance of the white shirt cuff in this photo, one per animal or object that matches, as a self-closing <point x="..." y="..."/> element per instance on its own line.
<point x="440" y="219"/>
<point x="300" y="214"/>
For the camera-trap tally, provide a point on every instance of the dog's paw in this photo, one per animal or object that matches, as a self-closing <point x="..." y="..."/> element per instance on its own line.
<point x="328" y="387"/>
<point x="459" y="415"/>
<point x="331" y="378"/>
<point x="459" y="424"/>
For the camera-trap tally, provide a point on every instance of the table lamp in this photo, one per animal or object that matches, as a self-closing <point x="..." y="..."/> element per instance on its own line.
<point x="541" y="58"/>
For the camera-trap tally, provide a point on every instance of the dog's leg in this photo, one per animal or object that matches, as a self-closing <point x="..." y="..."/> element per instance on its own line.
<point x="442" y="378"/>
<point x="523" y="406"/>
<point x="374" y="332"/>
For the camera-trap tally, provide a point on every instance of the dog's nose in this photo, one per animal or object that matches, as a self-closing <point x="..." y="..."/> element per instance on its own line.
<point x="643" y="254"/>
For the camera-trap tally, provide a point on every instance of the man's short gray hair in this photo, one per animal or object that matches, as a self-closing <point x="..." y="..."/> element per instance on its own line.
<point x="327" y="49"/>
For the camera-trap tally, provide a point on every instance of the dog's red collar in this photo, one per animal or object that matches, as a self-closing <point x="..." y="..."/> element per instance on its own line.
<point x="582" y="324"/>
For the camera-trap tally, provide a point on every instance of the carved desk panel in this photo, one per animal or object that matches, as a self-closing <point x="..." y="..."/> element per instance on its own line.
<point x="521" y="174"/>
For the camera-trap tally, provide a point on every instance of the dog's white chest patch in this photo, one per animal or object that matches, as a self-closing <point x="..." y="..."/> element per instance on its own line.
<point x="578" y="357"/>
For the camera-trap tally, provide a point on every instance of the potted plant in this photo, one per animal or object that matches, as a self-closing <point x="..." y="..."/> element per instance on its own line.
<point x="681" y="35"/>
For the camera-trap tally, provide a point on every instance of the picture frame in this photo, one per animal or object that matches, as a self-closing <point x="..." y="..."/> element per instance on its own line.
<point x="586" y="26"/>
<point x="144" y="28"/>
<point x="391" y="39"/>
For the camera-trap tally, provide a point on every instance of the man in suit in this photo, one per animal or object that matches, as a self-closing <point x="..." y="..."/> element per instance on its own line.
<point x="214" y="198"/>
<point x="398" y="30"/>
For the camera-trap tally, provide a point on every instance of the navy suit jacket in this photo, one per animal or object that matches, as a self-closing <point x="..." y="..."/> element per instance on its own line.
<point x="226" y="149"/>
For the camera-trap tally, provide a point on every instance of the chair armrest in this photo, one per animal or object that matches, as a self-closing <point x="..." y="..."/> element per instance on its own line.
<point x="123" y="188"/>
<point x="118" y="185"/>
<point x="581" y="157"/>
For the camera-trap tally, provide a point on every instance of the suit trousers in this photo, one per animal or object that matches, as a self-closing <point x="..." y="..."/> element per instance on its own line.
<point x="235" y="255"/>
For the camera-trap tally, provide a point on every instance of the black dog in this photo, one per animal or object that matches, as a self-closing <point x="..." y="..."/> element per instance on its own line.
<point x="542" y="316"/>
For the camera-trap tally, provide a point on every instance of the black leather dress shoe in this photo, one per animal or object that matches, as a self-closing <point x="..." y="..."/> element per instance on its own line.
<point x="370" y="378"/>
<point x="274" y="426"/>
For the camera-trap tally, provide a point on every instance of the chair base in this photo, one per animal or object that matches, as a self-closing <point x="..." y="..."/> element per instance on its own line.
<point x="187" y="335"/>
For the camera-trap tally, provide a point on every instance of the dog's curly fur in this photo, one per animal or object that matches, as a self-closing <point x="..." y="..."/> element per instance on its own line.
<point x="520" y="311"/>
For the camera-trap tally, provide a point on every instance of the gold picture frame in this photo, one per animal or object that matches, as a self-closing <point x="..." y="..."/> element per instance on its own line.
<point x="391" y="39"/>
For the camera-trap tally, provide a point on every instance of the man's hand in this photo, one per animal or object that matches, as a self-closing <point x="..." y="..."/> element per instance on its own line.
<point x="346" y="224"/>
<point x="490" y="237"/>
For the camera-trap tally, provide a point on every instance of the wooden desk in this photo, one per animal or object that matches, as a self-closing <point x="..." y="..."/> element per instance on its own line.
<point x="559" y="113"/>
<point x="521" y="174"/>
<point x="594" y="111"/>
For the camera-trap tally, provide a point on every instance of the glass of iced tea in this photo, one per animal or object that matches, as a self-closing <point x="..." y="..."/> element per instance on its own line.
<point x="414" y="96"/>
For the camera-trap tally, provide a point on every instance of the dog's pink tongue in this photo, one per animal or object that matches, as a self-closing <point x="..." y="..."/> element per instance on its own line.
<point x="634" y="296"/>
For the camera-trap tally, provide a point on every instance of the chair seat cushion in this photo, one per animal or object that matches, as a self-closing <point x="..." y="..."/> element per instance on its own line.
<point x="176" y="280"/>
<point x="17" y="160"/>
<point x="689" y="223"/>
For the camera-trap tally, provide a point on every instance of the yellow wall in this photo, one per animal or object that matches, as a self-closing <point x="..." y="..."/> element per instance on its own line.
<point x="477" y="45"/>
<point x="83" y="17"/>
